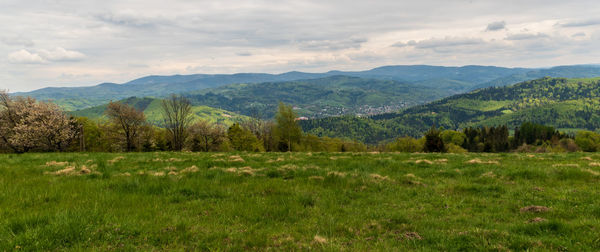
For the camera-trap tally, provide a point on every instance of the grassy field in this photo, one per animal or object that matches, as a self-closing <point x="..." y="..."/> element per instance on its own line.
<point x="299" y="201"/>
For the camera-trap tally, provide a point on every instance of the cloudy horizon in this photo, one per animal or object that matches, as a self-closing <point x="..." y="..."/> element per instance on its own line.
<point x="74" y="43"/>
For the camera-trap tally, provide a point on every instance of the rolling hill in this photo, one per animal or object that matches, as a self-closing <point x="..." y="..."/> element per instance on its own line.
<point x="559" y="102"/>
<point x="455" y="79"/>
<point x="330" y="96"/>
<point x="152" y="109"/>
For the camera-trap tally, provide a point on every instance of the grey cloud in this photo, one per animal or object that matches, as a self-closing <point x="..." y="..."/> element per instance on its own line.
<point x="580" y="23"/>
<point x="579" y="34"/>
<point x="17" y="41"/>
<point x="495" y="26"/>
<point x="316" y="35"/>
<point x="331" y="45"/>
<point x="526" y="36"/>
<point x="445" y="42"/>
<point x="129" y="20"/>
<point x="244" y="54"/>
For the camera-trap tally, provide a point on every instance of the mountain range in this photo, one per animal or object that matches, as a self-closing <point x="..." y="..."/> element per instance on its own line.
<point x="452" y="80"/>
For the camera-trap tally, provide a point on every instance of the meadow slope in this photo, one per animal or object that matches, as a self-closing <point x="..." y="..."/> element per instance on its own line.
<point x="299" y="201"/>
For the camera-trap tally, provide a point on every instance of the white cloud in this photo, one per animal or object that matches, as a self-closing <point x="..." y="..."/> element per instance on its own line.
<point x="44" y="56"/>
<point x="25" y="57"/>
<point x="61" y="54"/>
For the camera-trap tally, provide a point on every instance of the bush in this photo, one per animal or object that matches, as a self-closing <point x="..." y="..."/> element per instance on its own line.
<point x="406" y="144"/>
<point x="588" y="140"/>
<point x="453" y="148"/>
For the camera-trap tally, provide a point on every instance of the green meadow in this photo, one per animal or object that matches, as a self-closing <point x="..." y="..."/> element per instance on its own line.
<point x="299" y="201"/>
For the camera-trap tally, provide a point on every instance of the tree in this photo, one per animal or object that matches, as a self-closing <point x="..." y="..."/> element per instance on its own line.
<point x="26" y="124"/>
<point x="128" y="119"/>
<point x="177" y="116"/>
<point x="205" y="136"/>
<point x="433" y="141"/>
<point x="287" y="130"/>
<point x="242" y="139"/>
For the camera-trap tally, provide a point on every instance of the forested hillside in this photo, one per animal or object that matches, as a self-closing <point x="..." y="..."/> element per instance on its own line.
<point x="559" y="102"/>
<point x="331" y="96"/>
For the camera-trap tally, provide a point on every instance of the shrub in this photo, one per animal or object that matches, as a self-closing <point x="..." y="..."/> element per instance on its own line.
<point x="406" y="144"/>
<point x="588" y="140"/>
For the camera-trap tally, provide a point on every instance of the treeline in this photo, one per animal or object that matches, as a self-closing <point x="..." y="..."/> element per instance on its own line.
<point x="27" y="125"/>
<point x="529" y="137"/>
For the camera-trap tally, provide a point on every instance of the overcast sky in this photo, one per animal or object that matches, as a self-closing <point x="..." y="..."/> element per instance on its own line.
<point x="75" y="43"/>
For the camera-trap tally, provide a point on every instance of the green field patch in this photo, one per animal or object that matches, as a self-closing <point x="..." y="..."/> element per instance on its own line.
<point x="297" y="201"/>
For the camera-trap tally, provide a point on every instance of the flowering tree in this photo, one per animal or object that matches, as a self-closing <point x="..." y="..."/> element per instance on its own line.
<point x="26" y="124"/>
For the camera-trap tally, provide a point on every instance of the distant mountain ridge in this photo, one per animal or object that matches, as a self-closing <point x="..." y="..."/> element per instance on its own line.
<point x="455" y="79"/>
<point x="567" y="104"/>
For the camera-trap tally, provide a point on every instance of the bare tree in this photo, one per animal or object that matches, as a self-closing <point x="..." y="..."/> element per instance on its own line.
<point x="129" y="119"/>
<point x="205" y="136"/>
<point x="177" y="116"/>
<point x="26" y="124"/>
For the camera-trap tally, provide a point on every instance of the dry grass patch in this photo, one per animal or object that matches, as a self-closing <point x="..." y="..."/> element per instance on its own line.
<point x="412" y="236"/>
<point x="565" y="165"/>
<point x="594" y="164"/>
<point x="423" y="161"/>
<point x="54" y="163"/>
<point x="320" y="178"/>
<point x="73" y="171"/>
<point x="319" y="239"/>
<point x="190" y="169"/>
<point x="489" y="174"/>
<point x="158" y="173"/>
<point x="587" y="158"/>
<point x="590" y="171"/>
<point x="279" y="159"/>
<point x="379" y="178"/>
<point x="246" y="170"/>
<point x="336" y="174"/>
<point x="117" y="159"/>
<point x="534" y="209"/>
<point x="536" y="220"/>
<point x="479" y="161"/>
<point x="236" y="158"/>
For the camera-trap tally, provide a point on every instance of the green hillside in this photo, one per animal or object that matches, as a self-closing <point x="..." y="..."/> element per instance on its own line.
<point x="331" y="96"/>
<point x="559" y="102"/>
<point x="152" y="109"/>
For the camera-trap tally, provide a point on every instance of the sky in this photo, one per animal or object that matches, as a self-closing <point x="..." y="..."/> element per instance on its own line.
<point x="81" y="43"/>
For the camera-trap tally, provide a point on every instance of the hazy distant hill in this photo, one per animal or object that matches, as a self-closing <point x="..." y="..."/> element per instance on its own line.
<point x="330" y="96"/>
<point x="559" y="102"/>
<point x="152" y="109"/>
